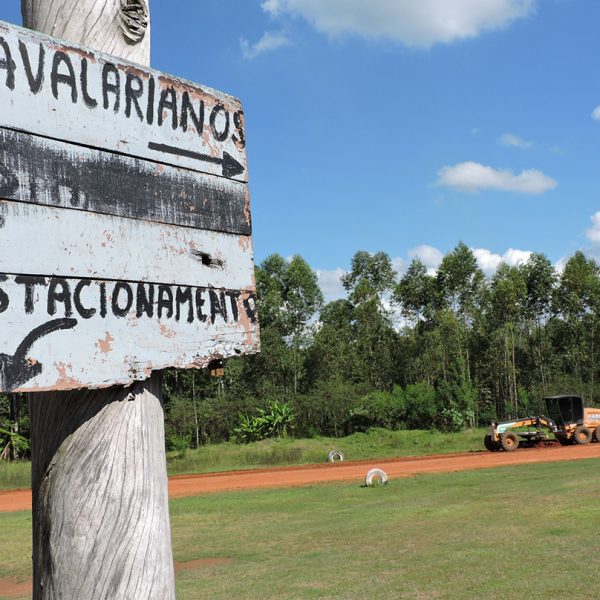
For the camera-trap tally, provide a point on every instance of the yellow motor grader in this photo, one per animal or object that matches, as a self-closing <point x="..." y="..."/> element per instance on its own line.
<point x="568" y="420"/>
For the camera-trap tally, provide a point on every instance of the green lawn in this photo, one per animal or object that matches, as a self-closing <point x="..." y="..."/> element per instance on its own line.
<point x="522" y="532"/>
<point x="377" y="443"/>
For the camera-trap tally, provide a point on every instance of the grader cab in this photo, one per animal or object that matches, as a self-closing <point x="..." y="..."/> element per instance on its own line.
<point x="568" y="420"/>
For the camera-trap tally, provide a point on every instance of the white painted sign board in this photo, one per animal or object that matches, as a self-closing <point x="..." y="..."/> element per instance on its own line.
<point x="125" y="233"/>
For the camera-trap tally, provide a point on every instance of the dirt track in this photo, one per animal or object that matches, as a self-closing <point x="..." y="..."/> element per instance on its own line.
<point x="192" y="485"/>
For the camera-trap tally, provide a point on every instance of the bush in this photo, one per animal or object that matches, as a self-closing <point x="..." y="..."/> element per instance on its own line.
<point x="274" y="421"/>
<point x="180" y="445"/>
<point x="456" y="406"/>
<point x="421" y="406"/>
<point x="379" y="409"/>
<point x="327" y="410"/>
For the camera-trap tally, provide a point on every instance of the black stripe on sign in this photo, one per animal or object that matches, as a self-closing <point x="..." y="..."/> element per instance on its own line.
<point x="52" y="173"/>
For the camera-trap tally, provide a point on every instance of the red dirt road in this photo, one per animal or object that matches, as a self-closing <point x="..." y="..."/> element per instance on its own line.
<point x="193" y="485"/>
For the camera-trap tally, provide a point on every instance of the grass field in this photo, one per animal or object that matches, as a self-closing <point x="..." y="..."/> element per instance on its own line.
<point x="522" y="532"/>
<point x="378" y="443"/>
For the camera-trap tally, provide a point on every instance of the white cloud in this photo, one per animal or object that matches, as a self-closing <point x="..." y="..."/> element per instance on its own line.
<point x="267" y="43"/>
<point x="593" y="233"/>
<point x="489" y="261"/>
<point x="330" y="284"/>
<point x="510" y="139"/>
<point x="399" y="265"/>
<point x="431" y="257"/>
<point x="560" y="264"/>
<point x="596" y="114"/>
<point x="271" y="6"/>
<point x="593" y="236"/>
<point x="515" y="257"/>
<point x="474" y="177"/>
<point x="418" y="23"/>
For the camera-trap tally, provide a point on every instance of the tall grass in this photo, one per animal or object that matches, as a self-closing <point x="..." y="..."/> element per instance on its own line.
<point x="15" y="474"/>
<point x="377" y="443"/>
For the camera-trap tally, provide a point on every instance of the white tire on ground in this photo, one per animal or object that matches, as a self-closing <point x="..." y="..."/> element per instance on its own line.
<point x="376" y="476"/>
<point x="335" y="456"/>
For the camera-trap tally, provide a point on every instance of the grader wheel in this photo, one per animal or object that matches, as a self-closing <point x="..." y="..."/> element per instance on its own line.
<point x="510" y="441"/>
<point x="582" y="435"/>
<point x="490" y="443"/>
<point x="597" y="434"/>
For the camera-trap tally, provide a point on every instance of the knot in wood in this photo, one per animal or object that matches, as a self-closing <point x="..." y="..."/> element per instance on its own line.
<point x="134" y="19"/>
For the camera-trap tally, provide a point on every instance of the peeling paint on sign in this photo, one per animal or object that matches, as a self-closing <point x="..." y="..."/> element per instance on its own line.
<point x="70" y="332"/>
<point x="65" y="92"/>
<point x="124" y="220"/>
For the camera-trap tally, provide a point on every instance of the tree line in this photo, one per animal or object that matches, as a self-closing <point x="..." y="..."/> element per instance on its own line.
<point x="447" y="349"/>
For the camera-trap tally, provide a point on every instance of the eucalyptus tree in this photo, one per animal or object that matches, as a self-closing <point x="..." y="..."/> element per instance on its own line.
<point x="302" y="300"/>
<point x="369" y="284"/>
<point x="334" y="351"/>
<point x="540" y="280"/>
<point x="416" y="293"/>
<point x="508" y="294"/>
<point x="461" y="284"/>
<point x="371" y="274"/>
<point x="417" y="296"/>
<point x="289" y="296"/>
<point x="577" y="302"/>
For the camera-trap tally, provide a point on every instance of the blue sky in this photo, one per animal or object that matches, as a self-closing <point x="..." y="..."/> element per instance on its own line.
<point x="404" y="126"/>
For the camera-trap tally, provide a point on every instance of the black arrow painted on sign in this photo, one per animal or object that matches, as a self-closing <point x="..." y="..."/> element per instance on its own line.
<point x="231" y="167"/>
<point x="16" y="369"/>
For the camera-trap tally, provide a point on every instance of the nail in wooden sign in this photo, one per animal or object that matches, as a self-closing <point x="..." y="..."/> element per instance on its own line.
<point x="125" y="232"/>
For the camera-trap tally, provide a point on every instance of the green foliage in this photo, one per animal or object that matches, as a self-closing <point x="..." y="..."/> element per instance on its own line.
<point x="472" y="349"/>
<point x="249" y="429"/>
<point x="379" y="409"/>
<point x="416" y="293"/>
<point x="373" y="340"/>
<point x="447" y="350"/>
<point x="460" y="280"/>
<point x="274" y="421"/>
<point x="370" y="274"/>
<point x="19" y="444"/>
<point x="178" y="444"/>
<point x="421" y="406"/>
<point x="289" y="296"/>
<point x="14" y="427"/>
<point x="326" y="410"/>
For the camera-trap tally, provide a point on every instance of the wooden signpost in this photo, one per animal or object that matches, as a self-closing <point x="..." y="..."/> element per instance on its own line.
<point x="125" y="226"/>
<point x="125" y="249"/>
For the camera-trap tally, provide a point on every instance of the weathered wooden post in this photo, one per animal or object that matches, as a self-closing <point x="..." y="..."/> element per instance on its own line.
<point x="124" y="249"/>
<point x="99" y="481"/>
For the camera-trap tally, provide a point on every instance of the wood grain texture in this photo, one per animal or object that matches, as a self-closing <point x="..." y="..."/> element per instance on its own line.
<point x="44" y="171"/>
<point x="72" y="93"/>
<point x="78" y="333"/>
<point x="100" y="495"/>
<point x="101" y="526"/>
<point x="82" y="244"/>
<point x="97" y="24"/>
